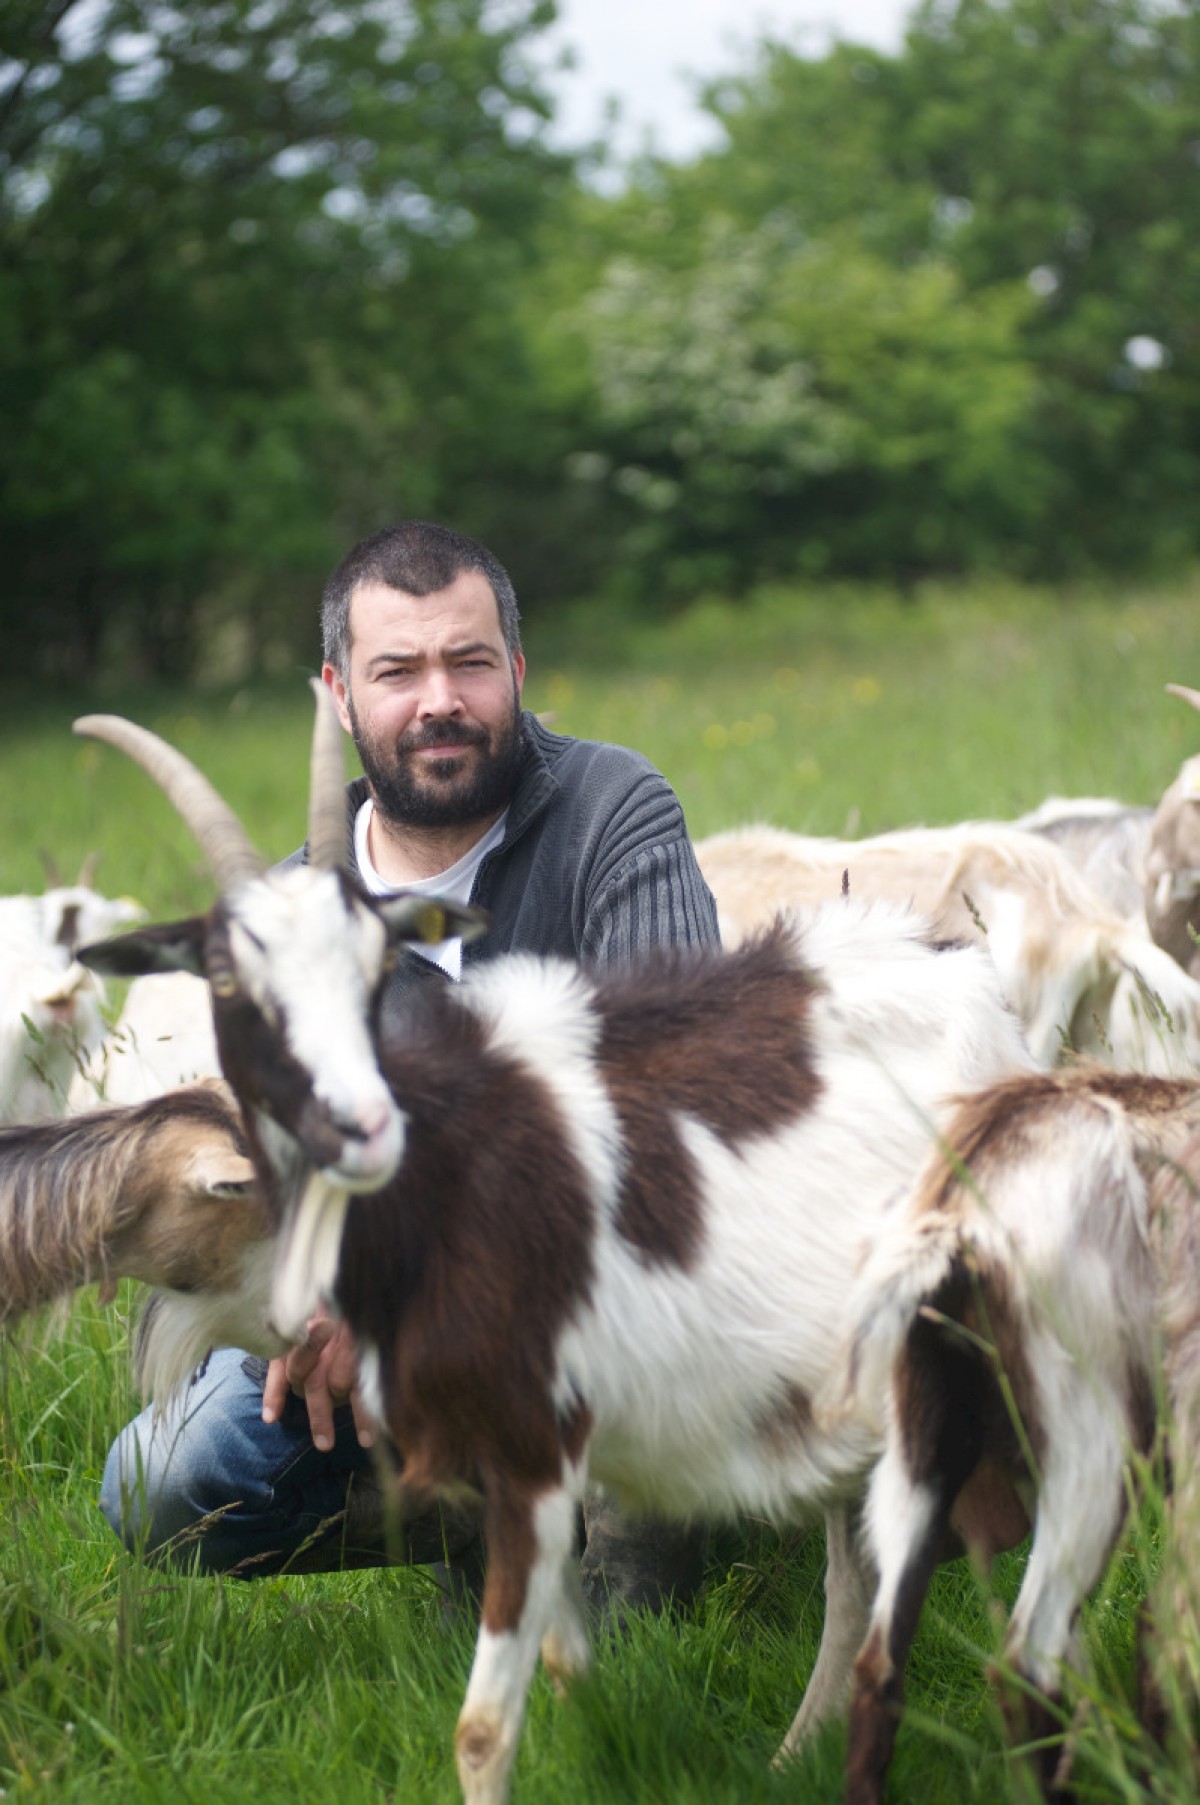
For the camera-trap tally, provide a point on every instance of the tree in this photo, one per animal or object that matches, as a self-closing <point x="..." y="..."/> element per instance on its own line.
<point x="925" y="311"/>
<point x="257" y="292"/>
<point x="788" y="405"/>
<point x="1064" y="135"/>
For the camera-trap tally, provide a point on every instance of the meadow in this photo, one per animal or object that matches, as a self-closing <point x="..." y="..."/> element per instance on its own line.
<point x="836" y="711"/>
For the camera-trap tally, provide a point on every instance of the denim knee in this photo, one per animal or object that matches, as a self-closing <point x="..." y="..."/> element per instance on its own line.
<point x="206" y="1483"/>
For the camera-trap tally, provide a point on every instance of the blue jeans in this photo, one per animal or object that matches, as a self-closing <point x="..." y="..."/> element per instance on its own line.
<point x="206" y="1483"/>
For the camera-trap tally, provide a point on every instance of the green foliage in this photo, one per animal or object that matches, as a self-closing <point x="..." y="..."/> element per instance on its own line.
<point x="800" y="404"/>
<point x="274" y="273"/>
<point x="919" y="313"/>
<point x="244" y="246"/>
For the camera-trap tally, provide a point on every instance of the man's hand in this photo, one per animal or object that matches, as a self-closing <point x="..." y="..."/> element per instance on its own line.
<point x="323" y="1371"/>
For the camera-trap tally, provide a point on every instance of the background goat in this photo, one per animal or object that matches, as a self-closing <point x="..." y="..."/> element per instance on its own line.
<point x="1014" y="1306"/>
<point x="1145" y="862"/>
<point x="50" y="1016"/>
<point x="613" y="1229"/>
<point x="162" y="1038"/>
<point x="1077" y="974"/>
<point x="162" y="1192"/>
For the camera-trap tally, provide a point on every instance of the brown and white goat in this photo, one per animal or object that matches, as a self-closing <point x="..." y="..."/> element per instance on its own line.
<point x="1016" y="1309"/>
<point x="613" y="1230"/>
<point x="1145" y="862"/>
<point x="162" y="1192"/>
<point x="1078" y="975"/>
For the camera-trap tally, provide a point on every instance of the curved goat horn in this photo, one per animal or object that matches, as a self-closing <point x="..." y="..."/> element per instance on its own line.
<point x="1185" y="695"/>
<point x="87" y="871"/>
<point x="327" y="827"/>
<point x="220" y="835"/>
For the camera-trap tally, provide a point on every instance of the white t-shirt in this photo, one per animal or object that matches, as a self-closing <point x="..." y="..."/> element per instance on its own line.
<point x="455" y="883"/>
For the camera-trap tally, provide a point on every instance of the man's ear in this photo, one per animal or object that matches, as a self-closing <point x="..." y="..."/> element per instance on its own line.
<point x="335" y="683"/>
<point x="170" y="946"/>
<point x="431" y="919"/>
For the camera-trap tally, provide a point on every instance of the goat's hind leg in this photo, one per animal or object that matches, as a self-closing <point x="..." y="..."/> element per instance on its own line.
<point x="1080" y="1509"/>
<point x="849" y="1587"/>
<point x="527" y="1604"/>
<point x="909" y="1525"/>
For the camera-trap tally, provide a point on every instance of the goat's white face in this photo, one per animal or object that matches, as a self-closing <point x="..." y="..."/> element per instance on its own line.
<point x="294" y="959"/>
<point x="307" y="955"/>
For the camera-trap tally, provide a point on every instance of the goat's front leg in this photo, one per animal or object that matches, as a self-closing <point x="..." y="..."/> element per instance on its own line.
<point x="526" y="1603"/>
<point x="849" y="1589"/>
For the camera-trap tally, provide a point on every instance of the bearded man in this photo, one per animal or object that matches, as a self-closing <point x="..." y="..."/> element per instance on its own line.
<point x="576" y="849"/>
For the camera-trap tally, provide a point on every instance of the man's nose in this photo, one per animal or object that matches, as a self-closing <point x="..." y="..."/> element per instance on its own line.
<point x="440" y="696"/>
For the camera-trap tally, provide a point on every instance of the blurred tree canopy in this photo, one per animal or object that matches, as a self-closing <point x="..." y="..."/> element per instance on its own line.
<point x="953" y="297"/>
<point x="273" y="272"/>
<point x="259" y="263"/>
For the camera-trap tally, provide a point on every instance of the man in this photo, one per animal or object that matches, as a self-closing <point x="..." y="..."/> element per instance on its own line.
<point x="576" y="849"/>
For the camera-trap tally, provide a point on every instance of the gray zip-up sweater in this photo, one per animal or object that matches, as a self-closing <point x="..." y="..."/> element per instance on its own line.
<point x="595" y="863"/>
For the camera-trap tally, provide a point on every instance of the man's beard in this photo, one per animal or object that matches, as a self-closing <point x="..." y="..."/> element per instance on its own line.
<point x="443" y="797"/>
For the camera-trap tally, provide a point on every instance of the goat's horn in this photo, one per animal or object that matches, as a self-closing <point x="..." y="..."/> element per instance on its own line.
<point x="1185" y="695"/>
<point x="220" y="835"/>
<point x="87" y="870"/>
<point x="50" y="867"/>
<point x="327" y="829"/>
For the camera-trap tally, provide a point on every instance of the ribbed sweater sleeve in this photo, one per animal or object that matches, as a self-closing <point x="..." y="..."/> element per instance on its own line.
<point x="648" y="890"/>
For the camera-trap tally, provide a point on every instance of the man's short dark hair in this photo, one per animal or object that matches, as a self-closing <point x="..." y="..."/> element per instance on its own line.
<point x="419" y="558"/>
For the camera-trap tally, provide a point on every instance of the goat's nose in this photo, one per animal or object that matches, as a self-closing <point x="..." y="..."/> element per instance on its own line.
<point x="369" y="1122"/>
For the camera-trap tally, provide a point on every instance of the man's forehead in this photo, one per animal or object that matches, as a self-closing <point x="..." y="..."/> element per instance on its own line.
<point x="465" y="610"/>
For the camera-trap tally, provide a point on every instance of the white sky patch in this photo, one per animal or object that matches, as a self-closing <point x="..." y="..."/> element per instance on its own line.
<point x="652" y="58"/>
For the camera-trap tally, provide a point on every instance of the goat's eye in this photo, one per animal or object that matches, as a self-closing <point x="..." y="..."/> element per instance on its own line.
<point x="222" y="982"/>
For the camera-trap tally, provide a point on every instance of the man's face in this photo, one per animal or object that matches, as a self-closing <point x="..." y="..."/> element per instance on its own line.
<point x="433" y="701"/>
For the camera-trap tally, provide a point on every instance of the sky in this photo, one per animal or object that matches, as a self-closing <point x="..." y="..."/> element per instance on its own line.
<point x="643" y="51"/>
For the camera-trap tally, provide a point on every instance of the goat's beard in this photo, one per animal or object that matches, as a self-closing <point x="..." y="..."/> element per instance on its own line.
<point x="466" y="785"/>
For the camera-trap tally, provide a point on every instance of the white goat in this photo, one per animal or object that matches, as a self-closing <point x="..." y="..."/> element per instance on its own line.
<point x="50" y="1018"/>
<point x="1077" y="974"/>
<point x="163" y="1038"/>
<point x="1016" y="1307"/>
<point x="604" y="1224"/>
<point x="162" y="1192"/>
<point x="1145" y="862"/>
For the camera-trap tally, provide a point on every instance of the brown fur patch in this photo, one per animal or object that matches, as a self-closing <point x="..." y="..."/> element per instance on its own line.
<point x="463" y="1271"/>
<point x="874" y="1720"/>
<point x="512" y="1549"/>
<point x="988" y="1516"/>
<point x="719" y="1037"/>
<point x="998" y="1124"/>
<point x="790" y="1422"/>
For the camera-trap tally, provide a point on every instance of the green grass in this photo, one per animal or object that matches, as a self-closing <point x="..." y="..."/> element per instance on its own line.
<point x="828" y="712"/>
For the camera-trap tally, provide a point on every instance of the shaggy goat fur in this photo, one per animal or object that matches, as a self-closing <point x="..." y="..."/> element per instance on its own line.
<point x="1011" y="1310"/>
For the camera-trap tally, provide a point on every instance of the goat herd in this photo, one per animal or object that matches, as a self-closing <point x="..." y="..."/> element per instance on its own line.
<point x="834" y="1223"/>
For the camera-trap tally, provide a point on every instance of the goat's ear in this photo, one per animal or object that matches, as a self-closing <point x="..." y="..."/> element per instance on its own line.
<point x="170" y="946"/>
<point x="230" y="1178"/>
<point x="432" y="918"/>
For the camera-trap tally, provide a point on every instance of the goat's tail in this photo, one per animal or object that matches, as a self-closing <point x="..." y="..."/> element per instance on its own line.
<point x="905" y="1269"/>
